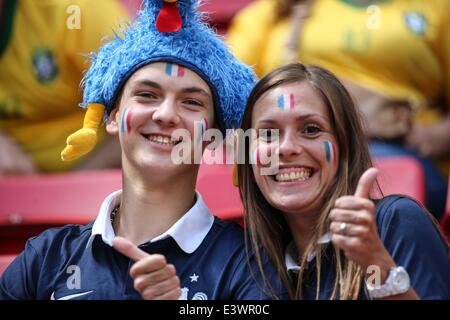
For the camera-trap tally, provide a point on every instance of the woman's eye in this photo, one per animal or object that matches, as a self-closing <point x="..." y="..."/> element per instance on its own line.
<point x="312" y="130"/>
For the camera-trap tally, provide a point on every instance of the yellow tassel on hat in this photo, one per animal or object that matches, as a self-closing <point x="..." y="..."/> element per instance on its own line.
<point x="83" y="140"/>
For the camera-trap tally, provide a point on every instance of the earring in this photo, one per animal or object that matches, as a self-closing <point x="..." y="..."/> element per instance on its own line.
<point x="235" y="176"/>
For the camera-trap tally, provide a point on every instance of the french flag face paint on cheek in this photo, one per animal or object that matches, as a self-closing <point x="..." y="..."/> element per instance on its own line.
<point x="174" y="70"/>
<point x="330" y="152"/>
<point x="286" y="101"/>
<point x="202" y="127"/>
<point x="126" y="121"/>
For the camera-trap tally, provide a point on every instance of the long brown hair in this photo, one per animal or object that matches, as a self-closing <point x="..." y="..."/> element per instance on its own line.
<point x="266" y="227"/>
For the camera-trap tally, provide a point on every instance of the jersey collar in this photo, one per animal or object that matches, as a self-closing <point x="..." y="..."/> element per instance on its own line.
<point x="188" y="232"/>
<point x="290" y="255"/>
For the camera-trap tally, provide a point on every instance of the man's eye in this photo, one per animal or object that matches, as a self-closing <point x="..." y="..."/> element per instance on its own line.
<point x="312" y="130"/>
<point x="147" y="94"/>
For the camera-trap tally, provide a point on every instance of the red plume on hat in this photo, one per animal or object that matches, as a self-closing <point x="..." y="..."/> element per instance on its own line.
<point x="169" y="19"/>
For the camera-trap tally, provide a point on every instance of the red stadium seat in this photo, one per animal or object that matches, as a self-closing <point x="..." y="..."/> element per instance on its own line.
<point x="5" y="260"/>
<point x="401" y="175"/>
<point x="31" y="204"/>
<point x="221" y="12"/>
<point x="215" y="184"/>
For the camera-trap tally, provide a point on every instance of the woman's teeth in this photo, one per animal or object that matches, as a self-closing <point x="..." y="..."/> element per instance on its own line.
<point x="301" y="175"/>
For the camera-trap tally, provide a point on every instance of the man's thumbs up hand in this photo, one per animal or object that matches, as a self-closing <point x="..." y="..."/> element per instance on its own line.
<point x="153" y="278"/>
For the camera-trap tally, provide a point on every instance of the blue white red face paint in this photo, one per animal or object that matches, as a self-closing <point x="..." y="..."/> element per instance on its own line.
<point x="126" y="121"/>
<point x="202" y="126"/>
<point x="330" y="152"/>
<point x="175" y="70"/>
<point x="286" y="101"/>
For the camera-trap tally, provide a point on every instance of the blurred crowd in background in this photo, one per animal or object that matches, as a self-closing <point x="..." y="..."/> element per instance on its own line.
<point x="393" y="56"/>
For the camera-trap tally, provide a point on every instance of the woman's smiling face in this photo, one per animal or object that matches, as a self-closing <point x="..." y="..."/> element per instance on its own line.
<point x="307" y="148"/>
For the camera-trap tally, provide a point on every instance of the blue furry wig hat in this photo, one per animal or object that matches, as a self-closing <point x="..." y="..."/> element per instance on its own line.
<point x="164" y="31"/>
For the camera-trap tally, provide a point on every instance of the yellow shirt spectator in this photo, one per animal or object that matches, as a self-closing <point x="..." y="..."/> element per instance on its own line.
<point x="400" y="48"/>
<point x="43" y="48"/>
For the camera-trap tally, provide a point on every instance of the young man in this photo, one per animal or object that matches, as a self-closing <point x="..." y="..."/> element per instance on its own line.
<point x="167" y="72"/>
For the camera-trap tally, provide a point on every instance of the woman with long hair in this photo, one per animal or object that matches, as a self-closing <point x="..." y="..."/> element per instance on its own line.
<point x="392" y="56"/>
<point x="318" y="216"/>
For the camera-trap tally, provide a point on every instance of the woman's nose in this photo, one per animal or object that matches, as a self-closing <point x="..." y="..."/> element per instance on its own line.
<point x="289" y="145"/>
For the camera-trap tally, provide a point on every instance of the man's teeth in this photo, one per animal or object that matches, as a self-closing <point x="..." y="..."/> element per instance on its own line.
<point x="163" y="140"/>
<point x="293" y="176"/>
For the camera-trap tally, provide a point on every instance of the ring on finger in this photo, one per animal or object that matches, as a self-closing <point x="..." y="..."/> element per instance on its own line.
<point x="343" y="228"/>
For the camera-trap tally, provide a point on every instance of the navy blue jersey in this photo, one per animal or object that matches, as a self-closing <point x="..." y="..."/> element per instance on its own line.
<point x="75" y="262"/>
<point x="413" y="242"/>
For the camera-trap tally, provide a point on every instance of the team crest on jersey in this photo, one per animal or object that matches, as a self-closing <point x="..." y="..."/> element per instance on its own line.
<point x="416" y="22"/>
<point x="44" y="65"/>
<point x="195" y="296"/>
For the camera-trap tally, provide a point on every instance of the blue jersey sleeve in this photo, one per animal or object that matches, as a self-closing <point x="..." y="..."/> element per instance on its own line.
<point x="247" y="282"/>
<point x="19" y="281"/>
<point x="414" y="243"/>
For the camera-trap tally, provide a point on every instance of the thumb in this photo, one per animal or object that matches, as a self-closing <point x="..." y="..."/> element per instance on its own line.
<point x="366" y="182"/>
<point x="128" y="249"/>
